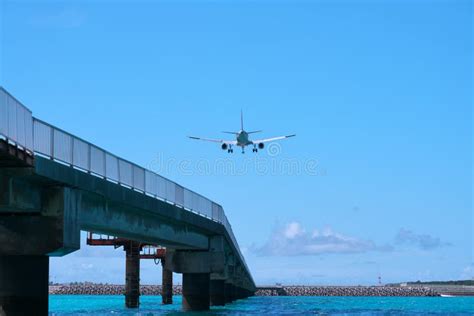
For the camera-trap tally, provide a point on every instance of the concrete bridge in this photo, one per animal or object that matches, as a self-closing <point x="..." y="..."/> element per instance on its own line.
<point x="54" y="184"/>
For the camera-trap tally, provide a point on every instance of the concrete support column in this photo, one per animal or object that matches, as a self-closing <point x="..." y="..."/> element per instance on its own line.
<point x="241" y="293"/>
<point x="196" y="291"/>
<point x="167" y="285"/>
<point x="24" y="285"/>
<point x="229" y="293"/>
<point x="237" y="293"/>
<point x="217" y="292"/>
<point x="132" y="274"/>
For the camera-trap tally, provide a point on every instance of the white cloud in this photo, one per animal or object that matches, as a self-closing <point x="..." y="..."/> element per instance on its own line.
<point x="422" y="241"/>
<point x="468" y="273"/>
<point x="293" y="230"/>
<point x="293" y="240"/>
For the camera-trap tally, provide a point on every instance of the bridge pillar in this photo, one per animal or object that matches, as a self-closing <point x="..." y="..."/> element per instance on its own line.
<point x="196" y="291"/>
<point x="241" y="293"/>
<point x="217" y="292"/>
<point x="132" y="274"/>
<point x="24" y="285"/>
<point x="229" y="298"/>
<point x="167" y="285"/>
<point x="237" y="293"/>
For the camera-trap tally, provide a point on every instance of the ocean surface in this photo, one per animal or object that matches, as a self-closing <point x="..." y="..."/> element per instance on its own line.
<point x="61" y="305"/>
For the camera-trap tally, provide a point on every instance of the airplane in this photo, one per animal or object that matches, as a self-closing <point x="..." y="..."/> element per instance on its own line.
<point x="242" y="139"/>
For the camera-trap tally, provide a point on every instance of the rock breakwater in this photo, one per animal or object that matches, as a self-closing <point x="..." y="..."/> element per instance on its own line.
<point x="346" y="291"/>
<point x="105" y="289"/>
<point x="112" y="289"/>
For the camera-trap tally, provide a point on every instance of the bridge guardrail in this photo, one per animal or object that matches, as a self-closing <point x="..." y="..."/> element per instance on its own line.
<point x="15" y="121"/>
<point x="66" y="148"/>
<point x="18" y="126"/>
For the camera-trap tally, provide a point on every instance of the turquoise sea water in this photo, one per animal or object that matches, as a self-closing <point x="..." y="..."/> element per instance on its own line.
<point x="61" y="305"/>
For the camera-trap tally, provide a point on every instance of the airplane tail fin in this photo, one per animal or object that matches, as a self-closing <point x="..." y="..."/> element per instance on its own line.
<point x="241" y="120"/>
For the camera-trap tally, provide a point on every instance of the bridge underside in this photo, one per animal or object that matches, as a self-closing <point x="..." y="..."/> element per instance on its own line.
<point x="44" y="205"/>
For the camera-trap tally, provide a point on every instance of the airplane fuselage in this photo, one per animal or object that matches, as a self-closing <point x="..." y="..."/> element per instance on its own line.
<point x="243" y="139"/>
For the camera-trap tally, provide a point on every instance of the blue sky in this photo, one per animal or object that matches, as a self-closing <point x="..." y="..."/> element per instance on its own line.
<point x="379" y="94"/>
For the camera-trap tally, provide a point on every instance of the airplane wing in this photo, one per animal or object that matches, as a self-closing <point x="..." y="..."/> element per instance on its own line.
<point x="267" y="140"/>
<point x="220" y="141"/>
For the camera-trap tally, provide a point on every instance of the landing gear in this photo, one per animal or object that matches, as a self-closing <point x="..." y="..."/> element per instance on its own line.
<point x="230" y="150"/>
<point x="255" y="150"/>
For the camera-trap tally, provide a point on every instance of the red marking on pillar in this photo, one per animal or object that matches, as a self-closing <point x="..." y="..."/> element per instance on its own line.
<point x="134" y="252"/>
<point x="147" y="251"/>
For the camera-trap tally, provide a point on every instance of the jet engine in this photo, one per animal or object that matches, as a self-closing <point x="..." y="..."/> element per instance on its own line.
<point x="224" y="146"/>
<point x="261" y="146"/>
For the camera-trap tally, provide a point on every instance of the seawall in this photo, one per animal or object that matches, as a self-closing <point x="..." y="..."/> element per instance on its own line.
<point x="346" y="291"/>
<point x="111" y="289"/>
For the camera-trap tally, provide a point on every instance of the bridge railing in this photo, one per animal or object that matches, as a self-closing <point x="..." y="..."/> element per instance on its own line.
<point x="18" y="126"/>
<point x="68" y="149"/>
<point x="15" y="121"/>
